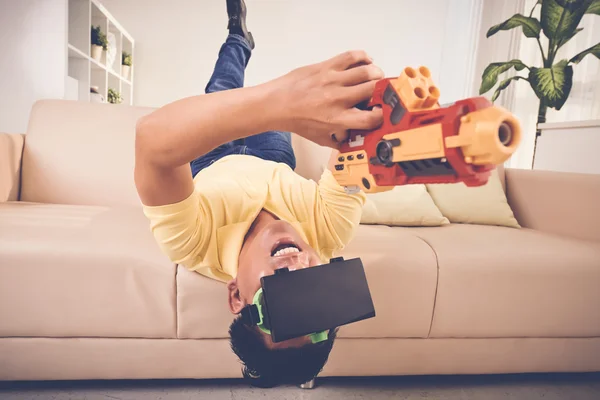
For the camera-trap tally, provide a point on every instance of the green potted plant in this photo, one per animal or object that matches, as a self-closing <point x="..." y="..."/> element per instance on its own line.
<point x="552" y="81"/>
<point x="125" y="65"/>
<point x="114" y="97"/>
<point x="99" y="43"/>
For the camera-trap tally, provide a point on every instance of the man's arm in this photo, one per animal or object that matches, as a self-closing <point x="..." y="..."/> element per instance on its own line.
<point x="341" y="212"/>
<point x="174" y="135"/>
<point x="313" y="101"/>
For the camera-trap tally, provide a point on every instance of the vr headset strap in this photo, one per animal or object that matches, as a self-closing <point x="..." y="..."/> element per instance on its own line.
<point x="250" y="315"/>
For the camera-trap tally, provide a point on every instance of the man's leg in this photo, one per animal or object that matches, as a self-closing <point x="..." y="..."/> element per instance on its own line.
<point x="234" y="53"/>
<point x="230" y="67"/>
<point x="228" y="73"/>
<point x="273" y="146"/>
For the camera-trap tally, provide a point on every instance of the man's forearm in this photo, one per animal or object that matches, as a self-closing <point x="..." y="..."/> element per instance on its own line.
<point x="313" y="101"/>
<point x="179" y="132"/>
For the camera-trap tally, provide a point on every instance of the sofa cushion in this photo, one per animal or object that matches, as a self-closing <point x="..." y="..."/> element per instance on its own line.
<point x="82" y="271"/>
<point x="80" y="153"/>
<point x="83" y="153"/>
<point x="485" y="205"/>
<point x="401" y="270"/>
<point x="504" y="282"/>
<point x="11" y="150"/>
<point x="408" y="205"/>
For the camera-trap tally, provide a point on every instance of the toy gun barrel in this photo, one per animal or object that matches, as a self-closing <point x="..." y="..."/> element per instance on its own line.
<point x="487" y="136"/>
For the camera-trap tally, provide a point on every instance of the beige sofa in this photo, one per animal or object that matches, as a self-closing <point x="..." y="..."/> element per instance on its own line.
<point x="86" y="294"/>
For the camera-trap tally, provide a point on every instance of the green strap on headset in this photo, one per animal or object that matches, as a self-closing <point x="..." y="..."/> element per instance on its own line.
<point x="315" y="337"/>
<point x="318" y="337"/>
<point x="257" y="302"/>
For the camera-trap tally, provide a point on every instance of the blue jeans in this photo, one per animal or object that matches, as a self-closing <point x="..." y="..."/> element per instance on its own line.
<point x="229" y="74"/>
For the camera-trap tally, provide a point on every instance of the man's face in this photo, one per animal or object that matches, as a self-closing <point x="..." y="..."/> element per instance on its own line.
<point x="271" y="244"/>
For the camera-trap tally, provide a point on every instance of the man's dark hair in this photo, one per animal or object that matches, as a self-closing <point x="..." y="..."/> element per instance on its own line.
<point x="266" y="368"/>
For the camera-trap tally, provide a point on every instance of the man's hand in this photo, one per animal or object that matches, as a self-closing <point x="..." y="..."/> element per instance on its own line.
<point x="317" y="101"/>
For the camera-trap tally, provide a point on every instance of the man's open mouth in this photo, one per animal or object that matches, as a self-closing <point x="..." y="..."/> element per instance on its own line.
<point x="285" y="248"/>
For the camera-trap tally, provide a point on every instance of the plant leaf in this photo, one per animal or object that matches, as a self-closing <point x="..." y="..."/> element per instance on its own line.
<point x="561" y="17"/>
<point x="594" y="8"/>
<point x="552" y="85"/>
<point x="503" y="85"/>
<point x="531" y="26"/>
<point x="567" y="38"/>
<point x="570" y="4"/>
<point x="594" y="50"/>
<point x="490" y="75"/>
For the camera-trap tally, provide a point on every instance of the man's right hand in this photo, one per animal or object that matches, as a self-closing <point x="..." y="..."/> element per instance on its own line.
<point x="318" y="101"/>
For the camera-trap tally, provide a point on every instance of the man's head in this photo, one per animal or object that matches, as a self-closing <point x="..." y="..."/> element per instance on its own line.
<point x="269" y="245"/>
<point x="266" y="367"/>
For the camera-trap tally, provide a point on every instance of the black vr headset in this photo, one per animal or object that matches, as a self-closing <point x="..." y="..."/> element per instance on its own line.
<point x="311" y="301"/>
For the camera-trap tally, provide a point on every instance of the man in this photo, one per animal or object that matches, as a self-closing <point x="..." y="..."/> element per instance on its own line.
<point x="216" y="176"/>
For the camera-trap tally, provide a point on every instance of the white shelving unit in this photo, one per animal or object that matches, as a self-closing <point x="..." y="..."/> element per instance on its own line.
<point x="84" y="71"/>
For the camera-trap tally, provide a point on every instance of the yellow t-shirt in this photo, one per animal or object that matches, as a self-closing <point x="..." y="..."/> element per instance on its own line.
<point x="205" y="232"/>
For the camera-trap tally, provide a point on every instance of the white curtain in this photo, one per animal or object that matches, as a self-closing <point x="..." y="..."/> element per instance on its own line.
<point x="584" y="100"/>
<point x="503" y="46"/>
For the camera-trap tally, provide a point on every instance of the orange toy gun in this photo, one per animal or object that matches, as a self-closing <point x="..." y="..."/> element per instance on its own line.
<point x="422" y="142"/>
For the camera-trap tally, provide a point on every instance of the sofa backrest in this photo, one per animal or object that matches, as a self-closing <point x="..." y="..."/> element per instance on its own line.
<point x="80" y="153"/>
<point x="83" y="153"/>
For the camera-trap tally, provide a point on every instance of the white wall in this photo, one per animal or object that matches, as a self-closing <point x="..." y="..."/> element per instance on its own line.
<point x="569" y="147"/>
<point x="32" y="57"/>
<point x="177" y="41"/>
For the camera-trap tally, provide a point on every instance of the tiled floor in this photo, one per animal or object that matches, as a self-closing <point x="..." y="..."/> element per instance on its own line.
<point x="526" y="387"/>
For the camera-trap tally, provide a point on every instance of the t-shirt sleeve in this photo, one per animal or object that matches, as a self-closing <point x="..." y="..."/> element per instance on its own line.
<point x="339" y="213"/>
<point x="180" y="229"/>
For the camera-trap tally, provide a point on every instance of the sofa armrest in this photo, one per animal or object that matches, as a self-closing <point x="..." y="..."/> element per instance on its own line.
<point x="11" y="152"/>
<point x="556" y="202"/>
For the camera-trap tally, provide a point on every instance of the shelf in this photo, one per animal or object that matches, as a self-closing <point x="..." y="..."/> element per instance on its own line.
<point x="79" y="25"/>
<point x="97" y="65"/>
<point x="126" y="93"/>
<point x="76" y="53"/>
<point x="78" y="76"/>
<point x="114" y="83"/>
<point x="103" y="11"/>
<point x="83" y="71"/>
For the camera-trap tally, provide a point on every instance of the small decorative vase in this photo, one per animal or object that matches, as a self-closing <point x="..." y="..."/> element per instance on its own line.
<point x="96" y="52"/>
<point x="125" y="70"/>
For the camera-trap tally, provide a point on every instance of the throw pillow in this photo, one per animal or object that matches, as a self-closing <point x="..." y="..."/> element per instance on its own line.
<point x="408" y="205"/>
<point x="484" y="205"/>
